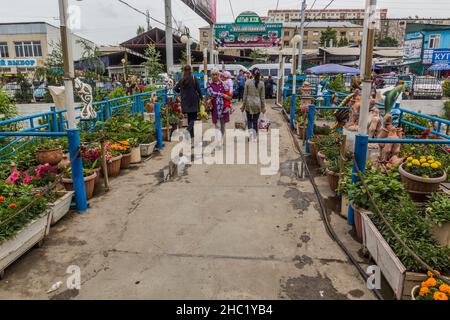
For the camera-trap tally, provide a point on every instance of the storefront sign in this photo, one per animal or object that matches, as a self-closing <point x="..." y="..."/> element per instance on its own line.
<point x="413" y="46"/>
<point x="8" y="63"/>
<point x="436" y="56"/>
<point x="248" y="31"/>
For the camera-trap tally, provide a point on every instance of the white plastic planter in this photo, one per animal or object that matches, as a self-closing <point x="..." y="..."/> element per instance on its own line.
<point x="33" y="233"/>
<point x="135" y="155"/>
<point x="147" y="148"/>
<point x="60" y="207"/>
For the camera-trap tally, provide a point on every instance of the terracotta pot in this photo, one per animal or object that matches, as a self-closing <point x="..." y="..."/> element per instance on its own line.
<point x="418" y="187"/>
<point x="113" y="166"/>
<point x="333" y="180"/>
<point x="89" y="184"/>
<point x="165" y="134"/>
<point x="358" y="223"/>
<point x="320" y="159"/>
<point x="442" y="234"/>
<point x="149" y="107"/>
<point x="50" y="156"/>
<point x="125" y="161"/>
<point x="135" y="155"/>
<point x="301" y="131"/>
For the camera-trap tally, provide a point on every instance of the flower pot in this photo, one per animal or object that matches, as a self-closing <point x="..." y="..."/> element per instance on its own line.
<point x="418" y="187"/>
<point x="33" y="233"/>
<point x="358" y="224"/>
<point x="99" y="176"/>
<point x="135" y="155"/>
<point x="60" y="207"/>
<point x="442" y="234"/>
<point x="320" y="157"/>
<point x="333" y="179"/>
<point x="147" y="148"/>
<point x="125" y="161"/>
<point x="344" y="206"/>
<point x="89" y="184"/>
<point x="301" y="131"/>
<point x="165" y="134"/>
<point x="50" y="156"/>
<point x="415" y="292"/>
<point x="113" y="166"/>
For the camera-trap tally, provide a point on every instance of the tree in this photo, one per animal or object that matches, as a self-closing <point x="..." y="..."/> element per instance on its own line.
<point x="258" y="56"/>
<point x="52" y="70"/>
<point x="91" y="61"/>
<point x="140" y="30"/>
<point x="328" y="35"/>
<point x="25" y="93"/>
<point x="386" y="42"/>
<point x="153" y="64"/>
<point x="343" y="42"/>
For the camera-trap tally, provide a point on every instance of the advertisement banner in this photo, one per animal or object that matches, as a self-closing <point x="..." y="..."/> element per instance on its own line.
<point x="206" y="9"/>
<point x="248" y="31"/>
<point x="7" y="63"/>
<point x="441" y="56"/>
<point x="413" y="48"/>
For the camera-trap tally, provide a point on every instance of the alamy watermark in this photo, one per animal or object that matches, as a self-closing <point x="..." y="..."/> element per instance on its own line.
<point x="263" y="151"/>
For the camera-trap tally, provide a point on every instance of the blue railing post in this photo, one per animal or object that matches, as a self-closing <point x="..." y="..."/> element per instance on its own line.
<point x="77" y="169"/>
<point x="164" y="97"/>
<point x="310" y="127"/>
<point x="293" y="109"/>
<point x="54" y="119"/>
<point x="107" y="111"/>
<point x="361" y="143"/>
<point x="158" y="127"/>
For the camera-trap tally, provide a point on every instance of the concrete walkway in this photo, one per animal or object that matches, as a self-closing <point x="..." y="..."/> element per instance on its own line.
<point x="218" y="232"/>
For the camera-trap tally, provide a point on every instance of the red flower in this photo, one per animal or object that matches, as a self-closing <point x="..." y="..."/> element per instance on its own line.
<point x="12" y="206"/>
<point x="12" y="178"/>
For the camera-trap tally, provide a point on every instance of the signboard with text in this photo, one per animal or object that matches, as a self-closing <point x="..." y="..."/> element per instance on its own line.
<point x="436" y="56"/>
<point x="413" y="46"/>
<point x="8" y="63"/>
<point x="248" y="31"/>
<point x="206" y="9"/>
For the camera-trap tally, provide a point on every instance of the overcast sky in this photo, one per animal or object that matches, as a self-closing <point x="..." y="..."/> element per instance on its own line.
<point x="111" y="22"/>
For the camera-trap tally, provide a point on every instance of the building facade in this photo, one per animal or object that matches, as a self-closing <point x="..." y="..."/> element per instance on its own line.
<point x="396" y="28"/>
<point x="313" y="30"/>
<point x="289" y="15"/>
<point x="25" y="46"/>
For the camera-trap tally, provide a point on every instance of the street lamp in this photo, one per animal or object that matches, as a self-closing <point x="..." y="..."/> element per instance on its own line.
<point x="294" y="41"/>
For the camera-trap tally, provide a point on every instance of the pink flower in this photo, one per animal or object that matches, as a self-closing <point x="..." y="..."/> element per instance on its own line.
<point x="12" y="178"/>
<point x="28" y="180"/>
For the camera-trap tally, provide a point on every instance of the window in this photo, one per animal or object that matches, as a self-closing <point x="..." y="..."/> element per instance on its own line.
<point x="343" y="33"/>
<point x="305" y="43"/>
<point x="360" y="33"/>
<point x="4" y="50"/>
<point x="287" y="33"/>
<point x="205" y="33"/>
<point x="28" y="49"/>
<point x="315" y="43"/>
<point x="351" y="33"/>
<point x="315" y="33"/>
<point x="434" y="41"/>
<point x="205" y="43"/>
<point x="286" y="43"/>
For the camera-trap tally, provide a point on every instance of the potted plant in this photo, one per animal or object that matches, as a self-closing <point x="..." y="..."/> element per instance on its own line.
<point x="89" y="181"/>
<point x="301" y="124"/>
<point x="20" y="230"/>
<point x="124" y="148"/>
<point x="332" y="173"/>
<point x="135" y="150"/>
<point x="422" y="176"/>
<point x="113" y="160"/>
<point x="91" y="157"/>
<point x="49" y="151"/>
<point x="431" y="289"/>
<point x="438" y="211"/>
<point x="327" y="144"/>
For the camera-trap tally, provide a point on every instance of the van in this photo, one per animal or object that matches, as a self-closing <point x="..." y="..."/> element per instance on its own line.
<point x="272" y="69"/>
<point x="232" y="68"/>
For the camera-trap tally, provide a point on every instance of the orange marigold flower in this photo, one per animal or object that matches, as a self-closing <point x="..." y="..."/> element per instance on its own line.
<point x="12" y="206"/>
<point x="444" y="288"/>
<point x="2" y="198"/>
<point x="423" y="291"/>
<point x="430" y="282"/>
<point x="430" y="274"/>
<point x="440" y="296"/>
<point x="37" y="195"/>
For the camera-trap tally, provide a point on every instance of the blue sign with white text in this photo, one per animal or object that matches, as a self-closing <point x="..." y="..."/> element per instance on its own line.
<point x="441" y="56"/>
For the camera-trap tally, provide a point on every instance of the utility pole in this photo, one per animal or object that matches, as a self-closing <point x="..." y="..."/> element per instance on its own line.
<point x="366" y="63"/>
<point x="302" y="33"/>
<point x="69" y="73"/>
<point x="147" y="16"/>
<point x="211" y="44"/>
<point x="169" y="36"/>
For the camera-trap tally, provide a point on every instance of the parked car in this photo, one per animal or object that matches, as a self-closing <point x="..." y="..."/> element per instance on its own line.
<point x="39" y="93"/>
<point x="427" y="87"/>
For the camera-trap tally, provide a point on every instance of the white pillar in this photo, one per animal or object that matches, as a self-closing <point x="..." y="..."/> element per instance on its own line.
<point x="302" y="32"/>
<point x="169" y="35"/>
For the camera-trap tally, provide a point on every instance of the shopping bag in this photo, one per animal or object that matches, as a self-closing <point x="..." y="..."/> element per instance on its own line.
<point x="263" y="122"/>
<point x="240" y="123"/>
<point x="203" y="115"/>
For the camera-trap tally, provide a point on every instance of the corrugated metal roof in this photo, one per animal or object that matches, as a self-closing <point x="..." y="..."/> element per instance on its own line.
<point x="323" y="24"/>
<point x="342" y="51"/>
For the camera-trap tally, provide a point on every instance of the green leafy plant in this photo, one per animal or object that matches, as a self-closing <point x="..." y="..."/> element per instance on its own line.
<point x="411" y="131"/>
<point x="446" y="88"/>
<point x="48" y="144"/>
<point x="337" y="83"/>
<point x="438" y="208"/>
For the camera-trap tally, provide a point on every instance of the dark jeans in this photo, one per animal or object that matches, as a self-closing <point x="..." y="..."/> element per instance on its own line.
<point x="252" y="121"/>
<point x="240" y="93"/>
<point x="191" y="117"/>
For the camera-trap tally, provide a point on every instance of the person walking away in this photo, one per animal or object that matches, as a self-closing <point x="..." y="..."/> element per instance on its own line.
<point x="241" y="84"/>
<point x="269" y="87"/>
<point x="216" y="91"/>
<point x="191" y="95"/>
<point x="266" y="87"/>
<point x="254" y="101"/>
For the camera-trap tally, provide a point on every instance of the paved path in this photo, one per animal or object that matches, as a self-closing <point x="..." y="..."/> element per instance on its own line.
<point x="218" y="232"/>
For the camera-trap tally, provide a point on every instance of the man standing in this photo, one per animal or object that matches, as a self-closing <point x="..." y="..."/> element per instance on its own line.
<point x="241" y="84"/>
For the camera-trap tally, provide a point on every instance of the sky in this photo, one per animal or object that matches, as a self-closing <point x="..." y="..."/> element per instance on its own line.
<point x="109" y="22"/>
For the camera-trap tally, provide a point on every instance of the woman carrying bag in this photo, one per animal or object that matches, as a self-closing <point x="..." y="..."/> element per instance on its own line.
<point x="254" y="101"/>
<point x="191" y="95"/>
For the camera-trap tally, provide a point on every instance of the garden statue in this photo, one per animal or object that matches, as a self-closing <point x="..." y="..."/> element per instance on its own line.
<point x="306" y="97"/>
<point x="390" y="95"/>
<point x="170" y="84"/>
<point x="355" y="105"/>
<point x="390" y="152"/>
<point x="374" y="123"/>
<point x="84" y="90"/>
